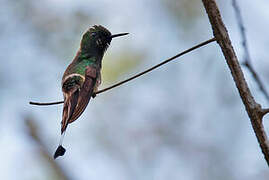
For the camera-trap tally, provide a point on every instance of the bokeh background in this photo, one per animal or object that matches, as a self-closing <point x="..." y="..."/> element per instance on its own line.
<point x="182" y="121"/>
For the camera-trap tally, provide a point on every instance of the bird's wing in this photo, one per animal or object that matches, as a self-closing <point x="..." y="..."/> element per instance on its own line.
<point x="70" y="102"/>
<point x="85" y="92"/>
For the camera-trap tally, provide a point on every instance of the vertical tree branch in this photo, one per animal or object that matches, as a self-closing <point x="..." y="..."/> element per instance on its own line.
<point x="253" y="109"/>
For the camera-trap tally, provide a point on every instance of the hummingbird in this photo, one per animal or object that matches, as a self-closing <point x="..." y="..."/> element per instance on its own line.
<point x="83" y="76"/>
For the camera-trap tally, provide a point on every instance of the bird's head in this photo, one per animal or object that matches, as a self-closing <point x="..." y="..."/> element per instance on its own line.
<point x="97" y="39"/>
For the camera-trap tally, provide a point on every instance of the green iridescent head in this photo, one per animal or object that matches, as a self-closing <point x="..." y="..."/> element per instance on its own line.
<point x="97" y="39"/>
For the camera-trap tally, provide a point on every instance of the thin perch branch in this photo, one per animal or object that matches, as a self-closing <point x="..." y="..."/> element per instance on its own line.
<point x="252" y="107"/>
<point x="247" y="59"/>
<point x="158" y="65"/>
<point x="45" y="104"/>
<point x="139" y="74"/>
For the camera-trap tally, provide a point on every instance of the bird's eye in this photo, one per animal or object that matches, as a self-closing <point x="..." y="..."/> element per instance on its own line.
<point x="93" y="34"/>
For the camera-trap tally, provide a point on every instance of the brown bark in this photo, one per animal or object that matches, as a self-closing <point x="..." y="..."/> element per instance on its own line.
<point x="254" y="110"/>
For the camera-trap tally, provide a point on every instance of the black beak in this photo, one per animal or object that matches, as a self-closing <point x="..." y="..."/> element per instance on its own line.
<point x="117" y="35"/>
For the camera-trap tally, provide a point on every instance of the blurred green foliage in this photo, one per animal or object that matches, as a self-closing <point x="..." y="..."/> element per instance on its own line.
<point x="121" y="64"/>
<point x="185" y="11"/>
